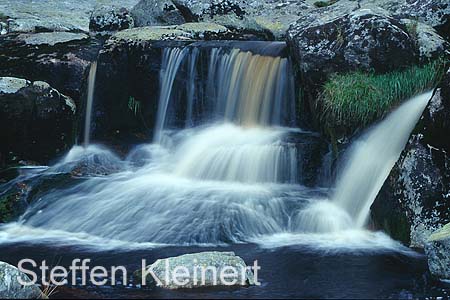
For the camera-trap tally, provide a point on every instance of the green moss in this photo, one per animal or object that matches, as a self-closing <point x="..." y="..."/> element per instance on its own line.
<point x="324" y="3"/>
<point x="357" y="99"/>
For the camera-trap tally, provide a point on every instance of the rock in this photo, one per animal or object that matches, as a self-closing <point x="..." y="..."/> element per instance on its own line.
<point x="194" y="263"/>
<point x="437" y="250"/>
<point x="267" y="19"/>
<point x="10" y="288"/>
<point x="13" y="201"/>
<point x="60" y="58"/>
<point x="51" y="38"/>
<point x="435" y="13"/>
<point x="187" y="31"/>
<point x="40" y="121"/>
<point x="343" y="41"/>
<point x="110" y="18"/>
<point x="431" y="45"/>
<point x="52" y="15"/>
<point x="417" y="191"/>
<point x="156" y="12"/>
<point x="10" y="85"/>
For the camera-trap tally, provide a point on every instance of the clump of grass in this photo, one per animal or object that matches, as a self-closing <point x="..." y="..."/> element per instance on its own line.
<point x="324" y="3"/>
<point x="134" y="105"/>
<point x="357" y="99"/>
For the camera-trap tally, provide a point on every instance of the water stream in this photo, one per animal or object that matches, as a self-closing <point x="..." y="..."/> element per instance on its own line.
<point x="89" y="103"/>
<point x="226" y="173"/>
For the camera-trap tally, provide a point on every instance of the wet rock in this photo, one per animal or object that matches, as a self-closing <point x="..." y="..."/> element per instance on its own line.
<point x="10" y="287"/>
<point x="342" y="40"/>
<point x="13" y="201"/>
<point x="159" y="12"/>
<point x="418" y="187"/>
<point x="110" y="18"/>
<point x="214" y="259"/>
<point x="38" y="118"/>
<point x="437" y="250"/>
<point x="62" y="59"/>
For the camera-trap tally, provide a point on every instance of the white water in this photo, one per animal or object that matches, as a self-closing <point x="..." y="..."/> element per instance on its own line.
<point x="371" y="158"/>
<point x="89" y="103"/>
<point x="231" y="180"/>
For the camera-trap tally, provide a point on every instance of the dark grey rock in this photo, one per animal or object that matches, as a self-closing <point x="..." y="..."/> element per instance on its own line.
<point x="437" y="250"/>
<point x="156" y="12"/>
<point x="346" y="40"/>
<point x="38" y="118"/>
<point x="110" y="18"/>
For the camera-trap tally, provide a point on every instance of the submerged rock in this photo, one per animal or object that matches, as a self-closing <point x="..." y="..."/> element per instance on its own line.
<point x="110" y="18"/>
<point x="195" y="263"/>
<point x="416" y="195"/>
<point x="437" y="250"/>
<point x="10" y="287"/>
<point x="40" y="120"/>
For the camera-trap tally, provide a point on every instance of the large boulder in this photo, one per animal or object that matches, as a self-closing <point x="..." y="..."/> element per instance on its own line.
<point x="193" y="263"/>
<point x="110" y="18"/>
<point x="60" y="58"/>
<point x="437" y="250"/>
<point x="430" y="44"/>
<point x="10" y="287"/>
<point x="415" y="199"/>
<point x="342" y="40"/>
<point x="159" y="12"/>
<point x="263" y="19"/>
<point x="435" y="13"/>
<point x="38" y="121"/>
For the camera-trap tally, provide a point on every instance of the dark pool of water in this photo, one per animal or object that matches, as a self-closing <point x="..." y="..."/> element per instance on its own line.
<point x="285" y="273"/>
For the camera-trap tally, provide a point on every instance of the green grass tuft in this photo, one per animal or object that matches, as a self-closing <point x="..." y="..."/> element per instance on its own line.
<point x="357" y="99"/>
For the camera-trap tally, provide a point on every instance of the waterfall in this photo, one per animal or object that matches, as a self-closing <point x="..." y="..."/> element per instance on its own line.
<point x="241" y="87"/>
<point x="170" y="63"/>
<point x="372" y="156"/>
<point x="225" y="166"/>
<point x="89" y="103"/>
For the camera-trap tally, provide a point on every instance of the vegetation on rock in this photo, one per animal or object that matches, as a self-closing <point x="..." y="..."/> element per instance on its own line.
<point x="358" y="98"/>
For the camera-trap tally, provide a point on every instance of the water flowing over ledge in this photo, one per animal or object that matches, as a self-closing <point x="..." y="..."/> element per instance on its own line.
<point x="223" y="171"/>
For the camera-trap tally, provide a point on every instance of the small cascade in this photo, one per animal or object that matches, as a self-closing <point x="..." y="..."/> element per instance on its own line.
<point x="371" y="158"/>
<point x="170" y="64"/>
<point x="239" y="86"/>
<point x="225" y="165"/>
<point x="89" y="103"/>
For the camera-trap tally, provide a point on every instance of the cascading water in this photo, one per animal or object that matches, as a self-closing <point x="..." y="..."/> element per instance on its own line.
<point x="89" y="103"/>
<point x="221" y="171"/>
<point x="372" y="156"/>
